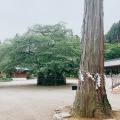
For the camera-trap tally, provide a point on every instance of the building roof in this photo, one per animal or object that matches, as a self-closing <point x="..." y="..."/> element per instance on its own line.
<point x="22" y="69"/>
<point x="112" y="63"/>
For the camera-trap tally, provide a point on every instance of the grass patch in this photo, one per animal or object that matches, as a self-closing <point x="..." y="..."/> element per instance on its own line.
<point x="5" y="79"/>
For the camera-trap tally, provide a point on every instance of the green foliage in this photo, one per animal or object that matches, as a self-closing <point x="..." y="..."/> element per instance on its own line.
<point x="5" y="49"/>
<point x="112" y="51"/>
<point x="30" y="74"/>
<point x="43" y="48"/>
<point x="113" y="35"/>
<point x="5" y="79"/>
<point x="50" y="48"/>
<point x="1" y="76"/>
<point x="112" y="45"/>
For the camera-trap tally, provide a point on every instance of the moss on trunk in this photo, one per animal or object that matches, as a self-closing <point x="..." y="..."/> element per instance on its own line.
<point x="90" y="100"/>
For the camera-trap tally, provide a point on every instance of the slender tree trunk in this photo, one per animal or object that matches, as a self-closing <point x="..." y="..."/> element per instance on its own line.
<point x="91" y="99"/>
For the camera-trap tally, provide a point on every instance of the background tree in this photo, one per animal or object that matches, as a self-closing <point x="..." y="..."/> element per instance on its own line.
<point x="112" y="51"/>
<point x="51" y="51"/>
<point x="91" y="99"/>
<point x="113" y="35"/>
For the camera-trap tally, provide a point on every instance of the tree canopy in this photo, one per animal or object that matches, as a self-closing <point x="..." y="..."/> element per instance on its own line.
<point x="112" y="51"/>
<point x="112" y="42"/>
<point x="113" y="35"/>
<point x="43" y="48"/>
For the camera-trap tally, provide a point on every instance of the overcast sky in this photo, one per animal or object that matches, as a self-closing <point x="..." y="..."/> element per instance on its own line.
<point x="17" y="15"/>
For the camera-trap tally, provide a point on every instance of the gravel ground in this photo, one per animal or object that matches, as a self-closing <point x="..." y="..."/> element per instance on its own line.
<point x="24" y="100"/>
<point x="114" y="99"/>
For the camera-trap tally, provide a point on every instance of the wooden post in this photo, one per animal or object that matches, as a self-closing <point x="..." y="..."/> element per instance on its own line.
<point x="111" y="77"/>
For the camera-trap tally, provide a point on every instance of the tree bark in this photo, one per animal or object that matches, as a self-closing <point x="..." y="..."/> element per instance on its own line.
<point x="91" y="98"/>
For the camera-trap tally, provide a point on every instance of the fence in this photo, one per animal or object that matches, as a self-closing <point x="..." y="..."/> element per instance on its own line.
<point x="115" y="80"/>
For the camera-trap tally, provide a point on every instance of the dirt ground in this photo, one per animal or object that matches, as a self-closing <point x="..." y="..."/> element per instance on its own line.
<point x="115" y="117"/>
<point x="117" y="91"/>
<point x="24" y="100"/>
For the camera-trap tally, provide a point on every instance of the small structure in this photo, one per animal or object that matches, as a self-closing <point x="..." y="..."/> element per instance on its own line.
<point x="113" y="68"/>
<point x="19" y="74"/>
<point x="112" y="64"/>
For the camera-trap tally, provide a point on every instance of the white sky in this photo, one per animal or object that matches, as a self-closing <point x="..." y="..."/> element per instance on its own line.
<point x="17" y="15"/>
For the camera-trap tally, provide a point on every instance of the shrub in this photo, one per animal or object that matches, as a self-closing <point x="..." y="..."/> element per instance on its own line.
<point x="5" y="79"/>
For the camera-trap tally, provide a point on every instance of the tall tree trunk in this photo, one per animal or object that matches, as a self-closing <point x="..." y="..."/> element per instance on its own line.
<point x="91" y="99"/>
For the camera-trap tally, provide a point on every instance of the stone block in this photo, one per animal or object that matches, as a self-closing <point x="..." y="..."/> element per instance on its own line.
<point x="65" y="115"/>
